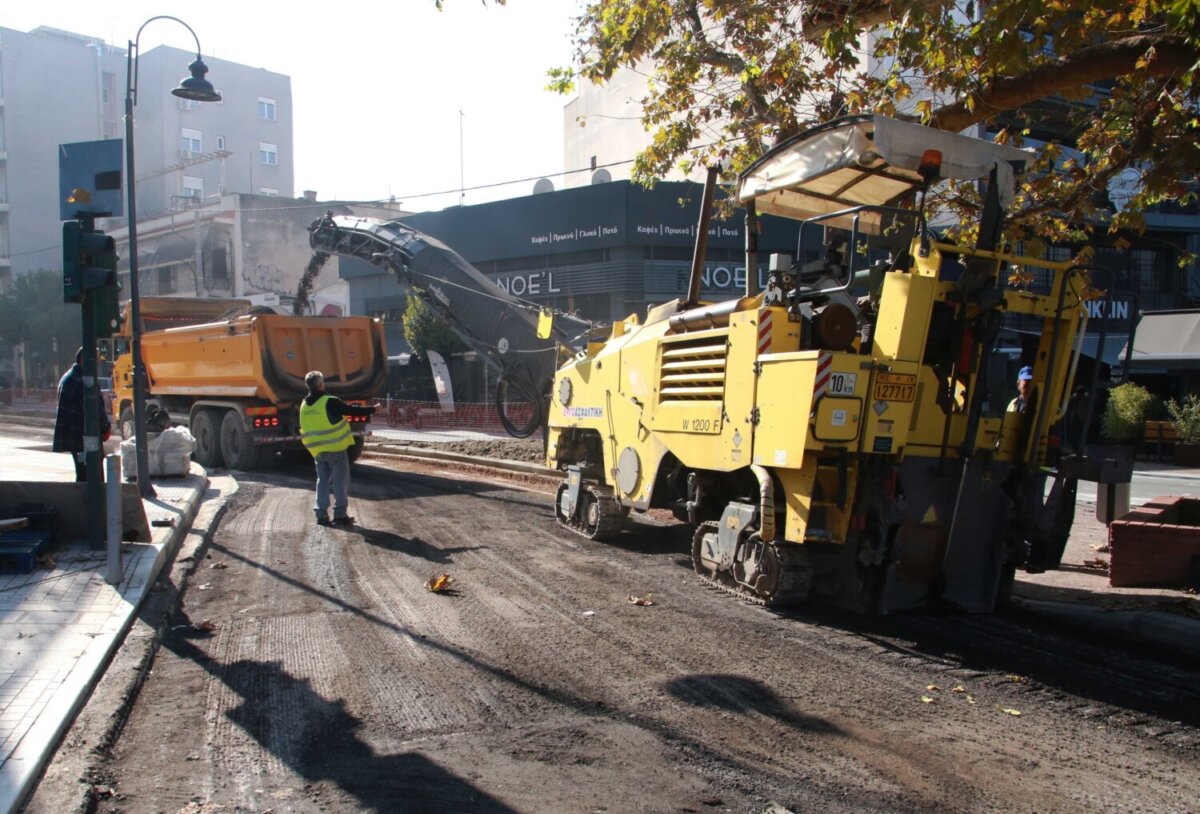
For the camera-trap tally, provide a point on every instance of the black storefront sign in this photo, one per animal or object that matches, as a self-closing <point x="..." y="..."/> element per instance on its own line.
<point x="602" y="216"/>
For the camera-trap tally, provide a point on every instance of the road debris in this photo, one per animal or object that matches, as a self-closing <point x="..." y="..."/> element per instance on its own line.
<point x="641" y="600"/>
<point x="925" y="699"/>
<point x="1097" y="564"/>
<point x="439" y="583"/>
<point x="1010" y="711"/>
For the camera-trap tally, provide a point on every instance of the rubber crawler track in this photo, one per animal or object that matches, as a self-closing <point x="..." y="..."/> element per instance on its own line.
<point x="611" y="513"/>
<point x="795" y="581"/>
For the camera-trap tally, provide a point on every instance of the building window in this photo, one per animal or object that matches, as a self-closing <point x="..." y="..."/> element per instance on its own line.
<point x="193" y="187"/>
<point x="266" y="109"/>
<point x="188" y="104"/>
<point x="268" y="154"/>
<point x="191" y="143"/>
<point x="220" y="142"/>
<point x="270" y="193"/>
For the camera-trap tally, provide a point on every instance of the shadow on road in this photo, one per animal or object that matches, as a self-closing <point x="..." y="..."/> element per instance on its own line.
<point x="317" y="739"/>
<point x="734" y="693"/>
<point x="1032" y="649"/>
<point x="244" y="676"/>
<point x="412" y="546"/>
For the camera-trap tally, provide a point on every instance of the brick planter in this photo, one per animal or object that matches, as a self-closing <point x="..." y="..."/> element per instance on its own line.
<point x="1154" y="546"/>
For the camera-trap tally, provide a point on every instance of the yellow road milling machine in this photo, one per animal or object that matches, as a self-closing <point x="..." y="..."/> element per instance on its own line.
<point x="856" y="449"/>
<point x="860" y="450"/>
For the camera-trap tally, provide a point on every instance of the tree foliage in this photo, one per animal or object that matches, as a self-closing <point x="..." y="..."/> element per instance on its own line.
<point x="33" y="312"/>
<point x="728" y="78"/>
<point x="425" y="331"/>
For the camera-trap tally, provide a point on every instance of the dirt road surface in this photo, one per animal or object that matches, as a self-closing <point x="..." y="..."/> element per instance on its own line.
<point x="309" y="670"/>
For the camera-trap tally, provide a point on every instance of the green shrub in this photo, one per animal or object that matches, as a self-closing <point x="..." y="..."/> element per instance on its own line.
<point x="1125" y="413"/>
<point x="1185" y="418"/>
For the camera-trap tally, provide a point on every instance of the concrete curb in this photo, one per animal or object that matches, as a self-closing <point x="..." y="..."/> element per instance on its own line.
<point x="94" y="666"/>
<point x="29" y="420"/>
<point x="1173" y="635"/>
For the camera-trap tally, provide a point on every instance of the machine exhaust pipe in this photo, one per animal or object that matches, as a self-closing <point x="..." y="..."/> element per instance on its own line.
<point x="766" y="503"/>
<point x="710" y="188"/>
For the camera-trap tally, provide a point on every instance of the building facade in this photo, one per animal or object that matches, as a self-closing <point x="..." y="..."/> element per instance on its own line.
<point x="57" y="87"/>
<point x="236" y="245"/>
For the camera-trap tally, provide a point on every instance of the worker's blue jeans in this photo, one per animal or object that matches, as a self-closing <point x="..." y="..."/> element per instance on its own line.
<point x="333" y="475"/>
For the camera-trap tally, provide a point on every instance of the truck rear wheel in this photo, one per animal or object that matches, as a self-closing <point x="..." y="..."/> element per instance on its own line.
<point x="237" y="447"/>
<point x="206" y="430"/>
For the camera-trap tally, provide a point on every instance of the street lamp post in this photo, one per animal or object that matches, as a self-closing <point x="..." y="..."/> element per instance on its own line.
<point x="199" y="89"/>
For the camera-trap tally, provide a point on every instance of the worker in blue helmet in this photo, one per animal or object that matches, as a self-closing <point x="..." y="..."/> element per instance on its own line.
<point x="1024" y="399"/>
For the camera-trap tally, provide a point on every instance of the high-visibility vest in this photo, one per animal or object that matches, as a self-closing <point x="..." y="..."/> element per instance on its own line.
<point x="318" y="434"/>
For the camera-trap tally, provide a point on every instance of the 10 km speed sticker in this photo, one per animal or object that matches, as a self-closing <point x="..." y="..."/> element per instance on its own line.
<point x="842" y="384"/>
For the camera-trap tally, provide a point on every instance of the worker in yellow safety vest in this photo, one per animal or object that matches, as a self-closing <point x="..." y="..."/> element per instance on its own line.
<point x="326" y="434"/>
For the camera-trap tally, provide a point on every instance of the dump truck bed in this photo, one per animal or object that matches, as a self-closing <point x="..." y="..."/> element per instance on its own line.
<point x="266" y="357"/>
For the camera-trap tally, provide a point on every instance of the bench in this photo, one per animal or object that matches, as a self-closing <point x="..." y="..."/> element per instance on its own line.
<point x="1160" y="433"/>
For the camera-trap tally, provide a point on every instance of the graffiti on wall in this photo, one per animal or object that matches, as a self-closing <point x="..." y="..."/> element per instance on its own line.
<point x="266" y="277"/>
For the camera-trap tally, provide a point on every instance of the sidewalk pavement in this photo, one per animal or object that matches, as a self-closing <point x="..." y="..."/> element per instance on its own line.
<point x="60" y="626"/>
<point x="1078" y="595"/>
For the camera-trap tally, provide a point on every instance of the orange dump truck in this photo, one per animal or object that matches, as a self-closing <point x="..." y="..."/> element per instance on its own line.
<point x="234" y="374"/>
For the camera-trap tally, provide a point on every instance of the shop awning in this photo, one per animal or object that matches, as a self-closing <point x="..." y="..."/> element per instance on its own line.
<point x="1166" y="341"/>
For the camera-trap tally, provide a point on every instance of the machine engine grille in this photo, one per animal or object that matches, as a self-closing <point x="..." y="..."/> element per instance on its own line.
<point x="693" y="370"/>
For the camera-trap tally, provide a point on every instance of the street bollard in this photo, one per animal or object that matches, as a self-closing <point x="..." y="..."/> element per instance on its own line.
<point x="112" y="478"/>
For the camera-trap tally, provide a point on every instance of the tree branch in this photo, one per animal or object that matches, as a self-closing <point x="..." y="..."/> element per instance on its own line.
<point x="1172" y="55"/>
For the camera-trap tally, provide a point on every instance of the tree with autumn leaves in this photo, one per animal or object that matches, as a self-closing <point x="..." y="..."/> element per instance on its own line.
<point x="1099" y="88"/>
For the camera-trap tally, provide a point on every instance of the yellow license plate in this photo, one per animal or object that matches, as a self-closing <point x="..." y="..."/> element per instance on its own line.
<point x="895" y="387"/>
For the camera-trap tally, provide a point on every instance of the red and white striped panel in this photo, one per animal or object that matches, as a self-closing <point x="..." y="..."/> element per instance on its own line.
<point x="824" y="369"/>
<point x="764" y="331"/>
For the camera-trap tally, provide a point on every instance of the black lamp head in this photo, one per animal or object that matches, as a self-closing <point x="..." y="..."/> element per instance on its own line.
<point x="196" y="87"/>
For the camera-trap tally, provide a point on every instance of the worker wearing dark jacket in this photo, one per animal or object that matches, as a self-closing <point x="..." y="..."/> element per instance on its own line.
<point x="326" y="434"/>
<point x="68" y="421"/>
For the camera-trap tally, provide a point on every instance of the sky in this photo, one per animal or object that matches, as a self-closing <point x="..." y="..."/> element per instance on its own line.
<point x="377" y="87"/>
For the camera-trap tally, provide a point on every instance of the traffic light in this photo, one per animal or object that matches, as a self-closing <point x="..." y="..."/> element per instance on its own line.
<point x="90" y="271"/>
<point x="106" y="308"/>
<point x="72" y="273"/>
<point x="99" y="256"/>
